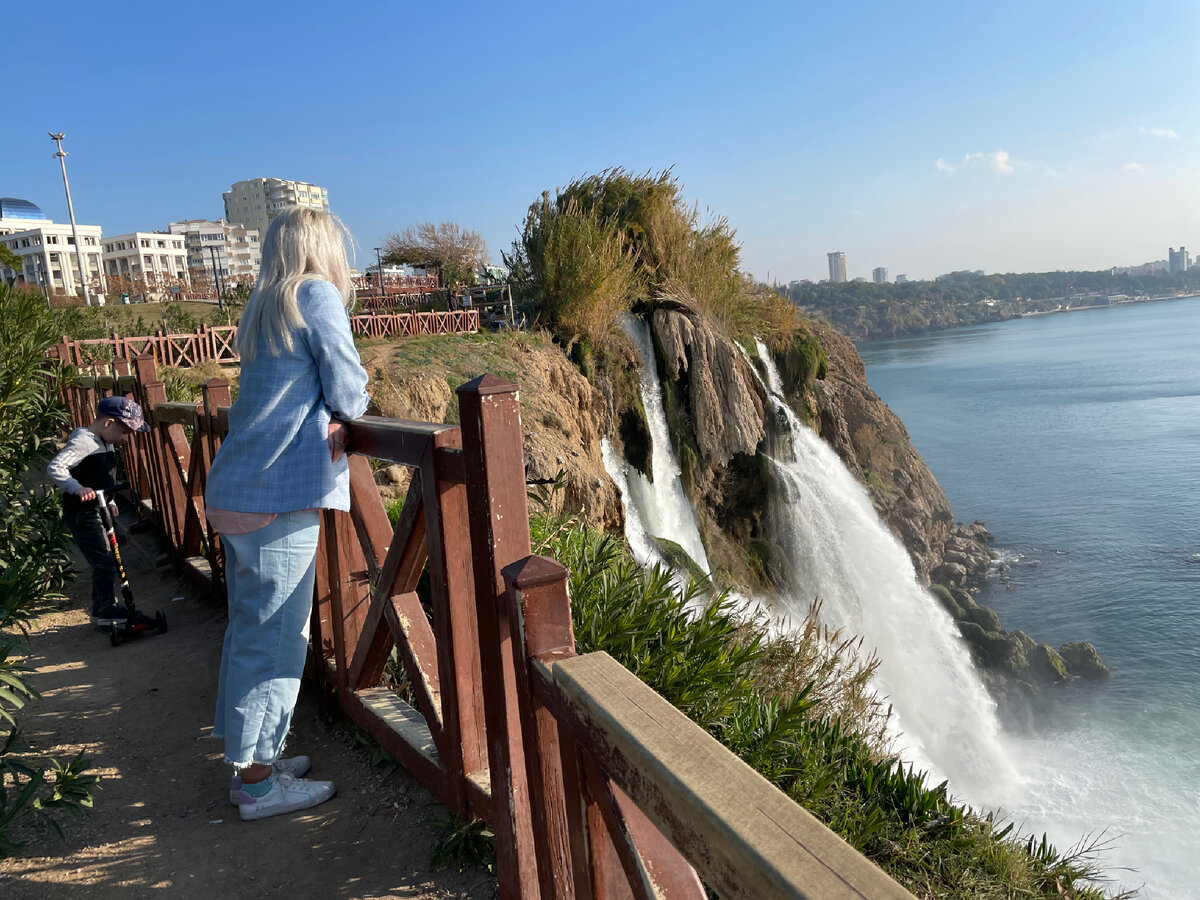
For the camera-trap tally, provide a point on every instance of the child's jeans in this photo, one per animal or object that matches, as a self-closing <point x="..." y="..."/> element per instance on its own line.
<point x="85" y="527"/>
<point x="270" y="574"/>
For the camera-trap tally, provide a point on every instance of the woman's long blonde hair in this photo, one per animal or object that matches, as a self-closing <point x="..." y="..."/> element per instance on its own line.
<point x="300" y="245"/>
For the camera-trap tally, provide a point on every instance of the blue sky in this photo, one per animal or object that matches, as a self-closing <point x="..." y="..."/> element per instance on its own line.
<point x="923" y="137"/>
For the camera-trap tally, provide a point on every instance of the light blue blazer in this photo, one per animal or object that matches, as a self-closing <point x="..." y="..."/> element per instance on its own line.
<point x="276" y="456"/>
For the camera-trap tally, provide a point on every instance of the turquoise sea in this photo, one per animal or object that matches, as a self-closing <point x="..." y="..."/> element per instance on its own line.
<point x="1075" y="438"/>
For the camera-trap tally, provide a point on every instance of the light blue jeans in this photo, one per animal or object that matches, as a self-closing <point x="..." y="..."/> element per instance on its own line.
<point x="270" y="575"/>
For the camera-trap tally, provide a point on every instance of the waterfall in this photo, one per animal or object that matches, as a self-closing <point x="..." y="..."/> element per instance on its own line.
<point x="944" y="719"/>
<point x="658" y="508"/>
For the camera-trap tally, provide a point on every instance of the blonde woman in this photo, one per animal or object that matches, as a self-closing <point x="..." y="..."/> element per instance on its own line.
<point x="281" y="463"/>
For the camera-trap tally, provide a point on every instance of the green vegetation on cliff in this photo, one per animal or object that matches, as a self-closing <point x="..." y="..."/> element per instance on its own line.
<point x="605" y="242"/>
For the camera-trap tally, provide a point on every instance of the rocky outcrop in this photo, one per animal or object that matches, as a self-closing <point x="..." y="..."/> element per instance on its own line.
<point x="562" y="414"/>
<point x="721" y="394"/>
<point x="715" y="409"/>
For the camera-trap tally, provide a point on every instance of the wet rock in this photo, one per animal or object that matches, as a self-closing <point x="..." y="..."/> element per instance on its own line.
<point x="984" y="617"/>
<point x="1083" y="660"/>
<point x="949" y="573"/>
<point x="947" y="599"/>
<point x="1047" y="665"/>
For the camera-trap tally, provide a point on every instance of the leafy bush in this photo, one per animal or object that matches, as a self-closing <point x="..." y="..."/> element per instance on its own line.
<point x="33" y="560"/>
<point x="609" y="240"/>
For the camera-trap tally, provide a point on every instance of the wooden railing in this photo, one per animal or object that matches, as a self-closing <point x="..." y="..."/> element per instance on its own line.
<point x="216" y="342"/>
<point x="594" y="785"/>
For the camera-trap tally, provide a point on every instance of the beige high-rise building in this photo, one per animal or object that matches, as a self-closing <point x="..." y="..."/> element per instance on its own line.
<point x="256" y="202"/>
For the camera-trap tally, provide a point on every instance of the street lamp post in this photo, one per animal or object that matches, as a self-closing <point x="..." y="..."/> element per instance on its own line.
<point x="379" y="263"/>
<point x="212" y="252"/>
<point x="37" y="268"/>
<point x="61" y="155"/>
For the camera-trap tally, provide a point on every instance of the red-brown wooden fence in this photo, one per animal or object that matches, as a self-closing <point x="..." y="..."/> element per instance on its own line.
<point x="593" y="784"/>
<point x="216" y="342"/>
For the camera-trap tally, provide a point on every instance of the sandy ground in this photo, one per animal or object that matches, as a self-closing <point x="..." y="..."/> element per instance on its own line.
<point x="162" y="823"/>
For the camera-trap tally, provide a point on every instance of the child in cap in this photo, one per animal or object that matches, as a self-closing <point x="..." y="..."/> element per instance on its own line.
<point x="87" y="463"/>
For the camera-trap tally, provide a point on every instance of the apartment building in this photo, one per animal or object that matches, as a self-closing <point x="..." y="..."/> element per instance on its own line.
<point x="233" y="250"/>
<point x="47" y="250"/>
<point x="256" y="202"/>
<point x="837" y="265"/>
<point x="146" y="261"/>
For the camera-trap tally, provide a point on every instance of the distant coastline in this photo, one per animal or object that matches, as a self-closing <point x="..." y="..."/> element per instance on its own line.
<point x="1108" y="305"/>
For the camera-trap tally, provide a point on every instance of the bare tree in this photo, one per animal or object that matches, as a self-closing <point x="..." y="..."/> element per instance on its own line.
<point x="452" y="250"/>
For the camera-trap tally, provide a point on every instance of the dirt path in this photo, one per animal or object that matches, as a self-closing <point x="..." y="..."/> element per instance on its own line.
<point x="162" y="821"/>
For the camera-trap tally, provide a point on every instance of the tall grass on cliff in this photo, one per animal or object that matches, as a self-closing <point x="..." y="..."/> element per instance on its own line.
<point x="34" y="565"/>
<point x="652" y="244"/>
<point x="797" y="707"/>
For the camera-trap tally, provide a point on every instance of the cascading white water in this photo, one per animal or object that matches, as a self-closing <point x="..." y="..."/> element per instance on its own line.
<point x="943" y="718"/>
<point x="657" y="508"/>
<point x="842" y="553"/>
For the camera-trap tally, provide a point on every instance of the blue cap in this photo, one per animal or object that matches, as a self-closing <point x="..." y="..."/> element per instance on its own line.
<point x="124" y="409"/>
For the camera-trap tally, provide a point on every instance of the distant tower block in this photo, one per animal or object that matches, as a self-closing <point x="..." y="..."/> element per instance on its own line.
<point x="837" y="265"/>
<point x="879" y="275"/>
<point x="254" y="203"/>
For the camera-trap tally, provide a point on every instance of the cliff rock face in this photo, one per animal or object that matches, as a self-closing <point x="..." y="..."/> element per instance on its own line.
<point x="715" y="409"/>
<point x="725" y="399"/>
<point x="562" y="414"/>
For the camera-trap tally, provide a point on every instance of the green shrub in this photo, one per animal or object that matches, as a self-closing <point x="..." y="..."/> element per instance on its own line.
<point x="608" y="240"/>
<point x="798" y="707"/>
<point x="34" y="563"/>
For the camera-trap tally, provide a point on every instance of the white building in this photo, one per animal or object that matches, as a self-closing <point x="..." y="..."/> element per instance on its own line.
<point x="837" y="265"/>
<point x="47" y="250"/>
<point x="232" y="249"/>
<point x="256" y="202"/>
<point x="146" y="261"/>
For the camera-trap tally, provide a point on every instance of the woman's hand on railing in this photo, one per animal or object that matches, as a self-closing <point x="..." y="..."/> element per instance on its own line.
<point x="339" y="439"/>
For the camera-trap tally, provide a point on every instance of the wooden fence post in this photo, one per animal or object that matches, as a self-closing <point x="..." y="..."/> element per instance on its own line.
<point x="147" y="375"/>
<point x="493" y="454"/>
<point x="542" y="632"/>
<point x="450" y="574"/>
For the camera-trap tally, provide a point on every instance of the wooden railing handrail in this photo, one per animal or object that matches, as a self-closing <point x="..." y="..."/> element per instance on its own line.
<point x="700" y="795"/>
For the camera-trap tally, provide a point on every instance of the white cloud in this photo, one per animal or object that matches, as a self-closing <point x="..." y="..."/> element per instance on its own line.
<point x="1001" y="162"/>
<point x="1168" y="133"/>
<point x="1133" y="167"/>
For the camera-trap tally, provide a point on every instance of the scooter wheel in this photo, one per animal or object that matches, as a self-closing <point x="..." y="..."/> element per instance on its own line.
<point x="114" y="636"/>
<point x="161" y="621"/>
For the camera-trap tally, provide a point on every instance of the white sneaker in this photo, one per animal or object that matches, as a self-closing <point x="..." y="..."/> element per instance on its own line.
<point x="294" y="766"/>
<point x="287" y="794"/>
